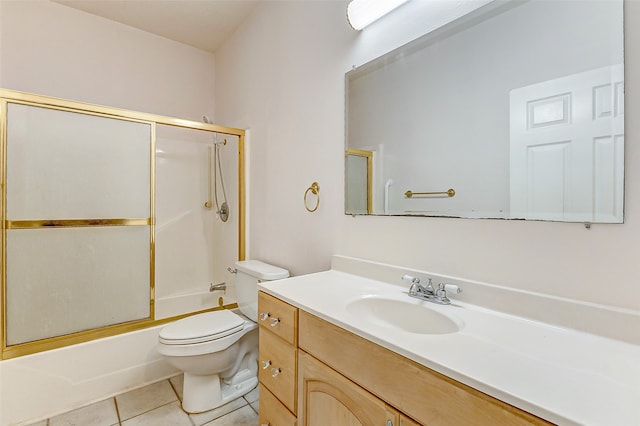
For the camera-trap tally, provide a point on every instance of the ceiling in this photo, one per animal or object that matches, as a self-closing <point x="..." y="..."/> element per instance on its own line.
<point x="203" y="24"/>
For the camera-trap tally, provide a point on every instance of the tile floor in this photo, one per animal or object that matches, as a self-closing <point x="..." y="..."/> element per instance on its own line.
<point x="157" y="405"/>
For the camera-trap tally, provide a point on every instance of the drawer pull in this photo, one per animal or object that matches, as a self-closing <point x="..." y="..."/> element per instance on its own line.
<point x="264" y="316"/>
<point x="266" y="364"/>
<point x="274" y="321"/>
<point x="275" y="372"/>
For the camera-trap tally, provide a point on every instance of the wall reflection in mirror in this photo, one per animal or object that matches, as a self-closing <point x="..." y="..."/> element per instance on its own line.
<point x="518" y="107"/>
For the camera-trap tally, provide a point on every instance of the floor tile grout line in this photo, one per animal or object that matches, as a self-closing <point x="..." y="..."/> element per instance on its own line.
<point x="227" y="414"/>
<point x="175" y="390"/>
<point x="115" y="402"/>
<point x="218" y="417"/>
<point x="148" y="411"/>
<point x="254" y="409"/>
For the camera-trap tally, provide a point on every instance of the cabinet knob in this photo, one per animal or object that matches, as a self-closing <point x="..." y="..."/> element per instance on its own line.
<point x="274" y="321"/>
<point x="275" y="372"/>
<point x="266" y="364"/>
<point x="265" y="424"/>
<point x="264" y="316"/>
<point x="389" y="423"/>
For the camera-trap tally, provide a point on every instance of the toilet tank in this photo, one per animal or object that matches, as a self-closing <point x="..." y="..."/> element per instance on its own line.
<point x="249" y="274"/>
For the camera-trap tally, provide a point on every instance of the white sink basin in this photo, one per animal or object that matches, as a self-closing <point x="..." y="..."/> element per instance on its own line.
<point x="410" y="316"/>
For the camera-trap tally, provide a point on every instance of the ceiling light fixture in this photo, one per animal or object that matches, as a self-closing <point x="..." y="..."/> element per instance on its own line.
<point x="361" y="13"/>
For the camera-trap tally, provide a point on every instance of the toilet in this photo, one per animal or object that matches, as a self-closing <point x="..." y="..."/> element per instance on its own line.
<point x="218" y="351"/>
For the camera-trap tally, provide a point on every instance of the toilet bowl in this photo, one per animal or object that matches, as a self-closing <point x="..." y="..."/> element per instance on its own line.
<point x="218" y="351"/>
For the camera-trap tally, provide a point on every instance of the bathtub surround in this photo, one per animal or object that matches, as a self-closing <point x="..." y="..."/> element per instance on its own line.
<point x="193" y="247"/>
<point x="79" y="375"/>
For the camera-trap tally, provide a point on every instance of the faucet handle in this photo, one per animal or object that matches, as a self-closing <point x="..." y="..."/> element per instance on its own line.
<point x="415" y="284"/>
<point x="452" y="288"/>
<point x="410" y="279"/>
<point x="444" y="288"/>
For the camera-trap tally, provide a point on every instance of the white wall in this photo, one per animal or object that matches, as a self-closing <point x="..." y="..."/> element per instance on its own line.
<point x="53" y="50"/>
<point x="282" y="74"/>
<point x="50" y="49"/>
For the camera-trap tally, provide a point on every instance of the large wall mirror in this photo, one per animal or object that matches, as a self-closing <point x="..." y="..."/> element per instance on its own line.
<point x="515" y="111"/>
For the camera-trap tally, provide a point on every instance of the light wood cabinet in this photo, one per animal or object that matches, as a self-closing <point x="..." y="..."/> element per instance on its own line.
<point x="416" y="391"/>
<point x="277" y="361"/>
<point x="278" y="317"/>
<point x="277" y="368"/>
<point x="272" y="412"/>
<point x="328" y="398"/>
<point x="332" y="376"/>
<point x="406" y="421"/>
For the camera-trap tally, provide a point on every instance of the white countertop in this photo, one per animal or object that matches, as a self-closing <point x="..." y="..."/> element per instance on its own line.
<point x="564" y="376"/>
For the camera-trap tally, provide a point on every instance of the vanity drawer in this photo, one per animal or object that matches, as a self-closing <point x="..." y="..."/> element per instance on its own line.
<point x="277" y="368"/>
<point x="272" y="412"/>
<point x="278" y="317"/>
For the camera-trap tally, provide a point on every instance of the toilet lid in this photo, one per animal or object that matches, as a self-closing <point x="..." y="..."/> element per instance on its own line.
<point x="201" y="328"/>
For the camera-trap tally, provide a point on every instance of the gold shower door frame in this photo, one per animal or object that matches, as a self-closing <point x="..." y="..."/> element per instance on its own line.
<point x="14" y="97"/>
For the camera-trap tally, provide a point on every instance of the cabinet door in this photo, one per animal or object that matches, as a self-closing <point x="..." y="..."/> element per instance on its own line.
<point x="328" y="398"/>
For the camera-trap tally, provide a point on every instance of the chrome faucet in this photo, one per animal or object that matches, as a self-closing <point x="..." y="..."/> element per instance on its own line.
<point x="429" y="292"/>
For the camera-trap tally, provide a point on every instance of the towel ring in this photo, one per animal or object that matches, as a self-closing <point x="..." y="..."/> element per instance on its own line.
<point x="314" y="189"/>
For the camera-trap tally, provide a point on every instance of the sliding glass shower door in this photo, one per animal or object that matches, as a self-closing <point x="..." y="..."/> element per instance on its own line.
<point x="78" y="221"/>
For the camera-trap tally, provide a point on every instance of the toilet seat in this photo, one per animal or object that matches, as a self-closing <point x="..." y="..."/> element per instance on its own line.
<point x="202" y="328"/>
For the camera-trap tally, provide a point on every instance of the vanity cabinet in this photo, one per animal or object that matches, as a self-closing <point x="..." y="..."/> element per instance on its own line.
<point x="277" y="361"/>
<point x="414" y="390"/>
<point x="340" y="378"/>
